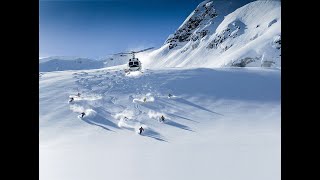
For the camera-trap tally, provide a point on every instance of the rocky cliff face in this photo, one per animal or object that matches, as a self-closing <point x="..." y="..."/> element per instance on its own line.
<point x="194" y="27"/>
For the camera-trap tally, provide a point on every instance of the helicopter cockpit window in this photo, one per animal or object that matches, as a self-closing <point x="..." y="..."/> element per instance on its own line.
<point x="136" y="63"/>
<point x="130" y="63"/>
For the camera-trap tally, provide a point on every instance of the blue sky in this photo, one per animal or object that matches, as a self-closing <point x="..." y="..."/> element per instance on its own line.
<point x="98" y="28"/>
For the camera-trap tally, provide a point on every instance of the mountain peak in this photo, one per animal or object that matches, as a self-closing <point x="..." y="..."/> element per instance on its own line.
<point x="194" y="27"/>
<point x="225" y="33"/>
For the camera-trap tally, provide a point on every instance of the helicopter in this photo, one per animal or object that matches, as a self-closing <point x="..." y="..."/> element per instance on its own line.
<point x="134" y="64"/>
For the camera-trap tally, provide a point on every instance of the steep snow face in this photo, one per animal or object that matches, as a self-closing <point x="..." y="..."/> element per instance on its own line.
<point x="247" y="36"/>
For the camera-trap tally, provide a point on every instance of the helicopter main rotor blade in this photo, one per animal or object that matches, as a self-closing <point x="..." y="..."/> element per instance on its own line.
<point x="133" y="51"/>
<point x="143" y="50"/>
<point x="122" y="53"/>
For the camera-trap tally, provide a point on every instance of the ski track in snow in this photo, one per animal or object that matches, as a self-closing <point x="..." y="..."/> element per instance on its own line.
<point x="98" y="86"/>
<point x="99" y="90"/>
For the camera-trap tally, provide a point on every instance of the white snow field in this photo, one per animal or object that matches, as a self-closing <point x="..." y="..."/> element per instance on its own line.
<point x="222" y="123"/>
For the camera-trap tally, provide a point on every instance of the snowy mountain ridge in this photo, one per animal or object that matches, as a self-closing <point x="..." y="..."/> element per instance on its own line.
<point x="68" y="63"/>
<point x="62" y="63"/>
<point x="248" y="36"/>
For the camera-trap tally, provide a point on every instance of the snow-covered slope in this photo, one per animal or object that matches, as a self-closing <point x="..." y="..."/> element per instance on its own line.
<point x="217" y="35"/>
<point x="115" y="60"/>
<point x="70" y="58"/>
<point x="221" y="124"/>
<point x="62" y="63"/>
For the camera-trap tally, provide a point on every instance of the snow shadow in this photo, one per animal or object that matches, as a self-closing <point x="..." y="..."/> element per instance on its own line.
<point x="230" y="84"/>
<point x="180" y="100"/>
<point x="178" y="125"/>
<point x="181" y="117"/>
<point x="100" y="121"/>
<point x="153" y="134"/>
<point x="134" y="126"/>
<point x="89" y="122"/>
<point x="156" y="115"/>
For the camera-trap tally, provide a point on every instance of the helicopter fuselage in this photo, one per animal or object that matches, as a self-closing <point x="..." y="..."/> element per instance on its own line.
<point x="134" y="64"/>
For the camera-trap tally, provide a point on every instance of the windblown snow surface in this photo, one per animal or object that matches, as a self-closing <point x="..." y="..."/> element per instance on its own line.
<point x="221" y="122"/>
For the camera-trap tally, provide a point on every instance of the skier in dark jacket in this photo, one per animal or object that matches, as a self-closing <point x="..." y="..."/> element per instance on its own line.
<point x="141" y="129"/>
<point x="162" y="118"/>
<point x="82" y="114"/>
<point x="71" y="99"/>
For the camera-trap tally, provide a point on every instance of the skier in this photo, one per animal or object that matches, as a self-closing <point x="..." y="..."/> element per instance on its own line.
<point x="78" y="94"/>
<point x="141" y="129"/>
<point x="162" y="118"/>
<point x="170" y="95"/>
<point x="82" y="114"/>
<point x="71" y="99"/>
<point x="145" y="99"/>
<point x="125" y="118"/>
